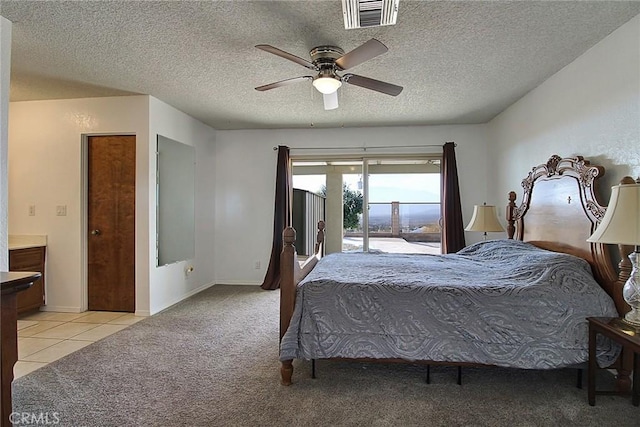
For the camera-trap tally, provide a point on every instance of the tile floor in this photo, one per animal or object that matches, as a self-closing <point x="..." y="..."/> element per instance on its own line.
<point x="46" y="336"/>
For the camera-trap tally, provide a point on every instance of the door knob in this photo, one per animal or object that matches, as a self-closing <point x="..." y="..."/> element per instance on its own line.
<point x="95" y="232"/>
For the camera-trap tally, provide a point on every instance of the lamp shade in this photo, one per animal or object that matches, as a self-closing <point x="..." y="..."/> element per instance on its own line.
<point x="484" y="219"/>
<point x="327" y="85"/>
<point x="621" y="222"/>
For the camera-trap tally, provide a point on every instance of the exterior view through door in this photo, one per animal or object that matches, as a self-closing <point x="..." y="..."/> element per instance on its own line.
<point x="376" y="204"/>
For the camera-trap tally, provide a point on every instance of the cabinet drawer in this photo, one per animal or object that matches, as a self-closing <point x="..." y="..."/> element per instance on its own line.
<point x="32" y="298"/>
<point x="29" y="259"/>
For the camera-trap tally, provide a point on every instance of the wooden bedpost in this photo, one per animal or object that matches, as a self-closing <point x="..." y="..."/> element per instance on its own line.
<point x="288" y="287"/>
<point x="286" y="372"/>
<point x="287" y="294"/>
<point x="511" y="228"/>
<point x="320" y="239"/>
<point x="625" y="268"/>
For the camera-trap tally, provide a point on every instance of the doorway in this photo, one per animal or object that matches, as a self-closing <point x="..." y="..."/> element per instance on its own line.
<point x="111" y="174"/>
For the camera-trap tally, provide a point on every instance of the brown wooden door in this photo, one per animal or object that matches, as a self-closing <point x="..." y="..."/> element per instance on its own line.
<point x="111" y="213"/>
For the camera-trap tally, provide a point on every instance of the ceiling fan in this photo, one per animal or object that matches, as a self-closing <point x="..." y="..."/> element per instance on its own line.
<point x="327" y="61"/>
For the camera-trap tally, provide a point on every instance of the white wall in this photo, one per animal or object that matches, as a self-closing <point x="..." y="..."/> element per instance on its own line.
<point x="170" y="283"/>
<point x="5" y="71"/>
<point x="45" y="170"/>
<point x="590" y="108"/>
<point x="245" y="182"/>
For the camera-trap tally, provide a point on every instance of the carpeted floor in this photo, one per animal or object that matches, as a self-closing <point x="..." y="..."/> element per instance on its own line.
<point x="212" y="360"/>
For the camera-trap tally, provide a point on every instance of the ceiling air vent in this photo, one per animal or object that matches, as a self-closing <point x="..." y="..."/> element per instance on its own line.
<point x="369" y="13"/>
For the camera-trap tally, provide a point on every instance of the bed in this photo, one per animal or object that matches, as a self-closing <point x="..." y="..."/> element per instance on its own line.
<point x="520" y="302"/>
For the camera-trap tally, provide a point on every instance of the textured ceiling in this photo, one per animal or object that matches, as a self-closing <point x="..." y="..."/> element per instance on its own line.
<point x="458" y="61"/>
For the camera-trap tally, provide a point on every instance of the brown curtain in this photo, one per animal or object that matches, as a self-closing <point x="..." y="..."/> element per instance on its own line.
<point x="452" y="225"/>
<point x="281" y="217"/>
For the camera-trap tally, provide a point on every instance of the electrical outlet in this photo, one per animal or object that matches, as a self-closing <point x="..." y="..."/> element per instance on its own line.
<point x="61" y="210"/>
<point x="257" y="265"/>
<point x="32" y="210"/>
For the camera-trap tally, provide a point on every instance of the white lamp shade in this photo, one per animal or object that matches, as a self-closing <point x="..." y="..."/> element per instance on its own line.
<point x="621" y="222"/>
<point x="327" y="85"/>
<point x="484" y="219"/>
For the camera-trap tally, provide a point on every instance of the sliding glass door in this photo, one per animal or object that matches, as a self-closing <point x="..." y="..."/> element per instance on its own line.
<point x="377" y="204"/>
<point x="403" y="206"/>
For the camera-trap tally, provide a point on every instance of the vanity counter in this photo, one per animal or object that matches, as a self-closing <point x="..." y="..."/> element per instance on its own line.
<point x="23" y="241"/>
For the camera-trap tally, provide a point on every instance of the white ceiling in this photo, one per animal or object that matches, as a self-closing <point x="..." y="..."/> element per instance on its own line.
<point x="458" y="61"/>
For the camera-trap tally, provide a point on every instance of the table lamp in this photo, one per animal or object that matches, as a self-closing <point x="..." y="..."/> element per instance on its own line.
<point x="621" y="225"/>
<point x="484" y="219"/>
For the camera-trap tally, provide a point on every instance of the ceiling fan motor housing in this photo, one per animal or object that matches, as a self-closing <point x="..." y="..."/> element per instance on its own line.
<point x="322" y="55"/>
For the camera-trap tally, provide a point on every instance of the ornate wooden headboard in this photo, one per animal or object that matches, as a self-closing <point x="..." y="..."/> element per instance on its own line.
<point x="559" y="211"/>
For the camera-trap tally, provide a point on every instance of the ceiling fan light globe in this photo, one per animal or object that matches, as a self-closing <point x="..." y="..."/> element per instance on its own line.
<point x="327" y="85"/>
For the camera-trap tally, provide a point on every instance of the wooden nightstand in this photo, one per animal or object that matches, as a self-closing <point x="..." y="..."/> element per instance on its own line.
<point x="624" y="334"/>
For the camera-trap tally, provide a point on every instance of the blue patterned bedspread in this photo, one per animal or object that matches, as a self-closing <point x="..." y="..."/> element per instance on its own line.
<point x="500" y="302"/>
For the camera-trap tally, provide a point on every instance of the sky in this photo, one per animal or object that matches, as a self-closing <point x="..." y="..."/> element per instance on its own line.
<point x="384" y="188"/>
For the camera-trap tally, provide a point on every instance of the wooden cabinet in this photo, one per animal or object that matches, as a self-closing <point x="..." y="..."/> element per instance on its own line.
<point x="29" y="259"/>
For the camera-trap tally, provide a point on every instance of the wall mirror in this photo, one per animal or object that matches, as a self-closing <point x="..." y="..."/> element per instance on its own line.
<point x="175" y="191"/>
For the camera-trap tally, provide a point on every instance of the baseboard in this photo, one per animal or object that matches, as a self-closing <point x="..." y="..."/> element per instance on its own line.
<point x="144" y="313"/>
<point x="177" y="300"/>
<point x="238" y="283"/>
<point x="61" y="309"/>
<point x="195" y="291"/>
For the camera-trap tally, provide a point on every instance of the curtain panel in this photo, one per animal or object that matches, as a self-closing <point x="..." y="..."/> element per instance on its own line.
<point x="281" y="217"/>
<point x="452" y="225"/>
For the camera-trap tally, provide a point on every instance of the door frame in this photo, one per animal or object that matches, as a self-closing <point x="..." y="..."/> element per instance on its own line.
<point x="84" y="216"/>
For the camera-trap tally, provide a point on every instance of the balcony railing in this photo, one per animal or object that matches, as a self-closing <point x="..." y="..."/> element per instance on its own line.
<point x="418" y="222"/>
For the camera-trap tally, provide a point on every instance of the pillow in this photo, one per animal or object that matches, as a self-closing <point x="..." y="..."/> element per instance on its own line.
<point x="301" y="271"/>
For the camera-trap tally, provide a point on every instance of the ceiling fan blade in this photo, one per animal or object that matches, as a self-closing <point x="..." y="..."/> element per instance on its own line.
<point x="330" y="101"/>
<point x="283" y="83"/>
<point x="372" y="84"/>
<point x="286" y="55"/>
<point x="362" y="53"/>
